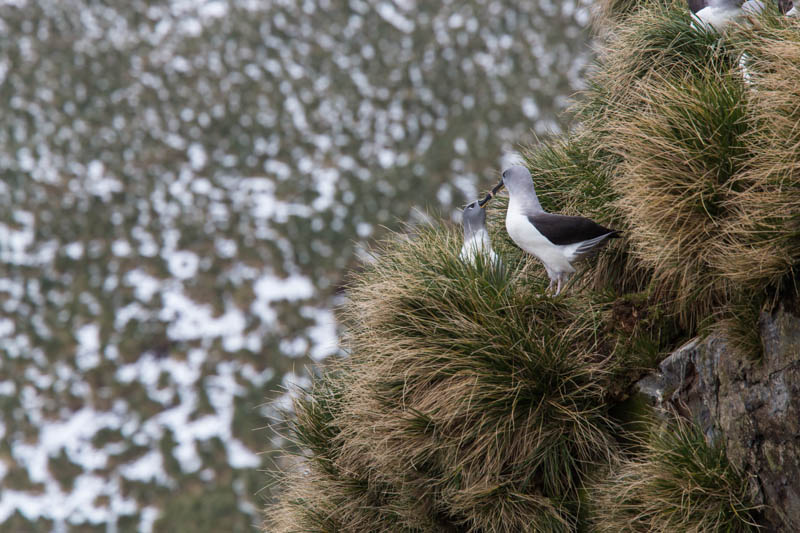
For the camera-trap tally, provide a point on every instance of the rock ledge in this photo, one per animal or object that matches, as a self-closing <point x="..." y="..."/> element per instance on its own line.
<point x="752" y="405"/>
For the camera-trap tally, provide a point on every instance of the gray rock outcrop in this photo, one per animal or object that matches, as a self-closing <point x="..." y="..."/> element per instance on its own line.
<point x="752" y="405"/>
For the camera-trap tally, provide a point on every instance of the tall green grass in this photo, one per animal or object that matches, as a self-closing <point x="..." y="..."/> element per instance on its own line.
<point x="320" y="494"/>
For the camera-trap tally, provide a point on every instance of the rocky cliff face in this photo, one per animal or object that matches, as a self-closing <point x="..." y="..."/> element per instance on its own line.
<point x="752" y="405"/>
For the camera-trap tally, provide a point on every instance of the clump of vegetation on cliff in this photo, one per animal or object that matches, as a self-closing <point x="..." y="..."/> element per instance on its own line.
<point x="674" y="481"/>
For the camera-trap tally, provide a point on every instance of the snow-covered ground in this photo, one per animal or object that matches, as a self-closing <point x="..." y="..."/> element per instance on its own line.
<point x="184" y="185"/>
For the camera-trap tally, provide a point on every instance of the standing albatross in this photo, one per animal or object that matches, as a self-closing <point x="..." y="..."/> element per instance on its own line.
<point x="557" y="241"/>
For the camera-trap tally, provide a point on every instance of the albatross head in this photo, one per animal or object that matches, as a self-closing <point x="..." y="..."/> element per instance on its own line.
<point x="473" y="218"/>
<point x="515" y="179"/>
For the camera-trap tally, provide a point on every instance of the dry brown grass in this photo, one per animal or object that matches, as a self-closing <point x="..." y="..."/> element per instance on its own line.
<point x="706" y="166"/>
<point x="658" y="40"/>
<point x="644" y="112"/>
<point x="321" y="494"/>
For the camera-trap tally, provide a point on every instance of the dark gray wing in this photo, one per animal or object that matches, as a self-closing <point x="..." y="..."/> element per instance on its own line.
<point x="697" y="5"/>
<point x="563" y="229"/>
<point x="592" y="245"/>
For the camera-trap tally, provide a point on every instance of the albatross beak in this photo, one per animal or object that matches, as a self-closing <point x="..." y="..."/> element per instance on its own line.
<point x="492" y="193"/>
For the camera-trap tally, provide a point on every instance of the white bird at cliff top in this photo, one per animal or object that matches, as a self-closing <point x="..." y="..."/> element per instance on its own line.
<point x="557" y="241"/>
<point x="476" y="238"/>
<point x="720" y="13"/>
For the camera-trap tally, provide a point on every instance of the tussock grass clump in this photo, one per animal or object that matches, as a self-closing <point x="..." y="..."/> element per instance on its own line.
<point x="704" y="163"/>
<point x="763" y="232"/>
<point x="471" y="401"/>
<point x="321" y="496"/>
<point x="681" y="151"/>
<point x="675" y="482"/>
<point x="658" y="39"/>
<point x="474" y="382"/>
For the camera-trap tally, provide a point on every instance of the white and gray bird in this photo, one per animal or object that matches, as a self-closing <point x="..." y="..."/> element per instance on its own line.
<point x="557" y="241"/>
<point x="476" y="238"/>
<point x="751" y="8"/>
<point x="720" y="13"/>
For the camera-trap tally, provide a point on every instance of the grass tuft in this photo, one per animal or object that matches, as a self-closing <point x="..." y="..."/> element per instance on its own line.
<point x="739" y="323"/>
<point x="675" y="482"/>
<point x="476" y="381"/>
<point x="319" y="495"/>
<point x="765" y="202"/>
<point x="659" y="40"/>
<point x="608" y="12"/>
<point x="681" y="151"/>
<point x="704" y="166"/>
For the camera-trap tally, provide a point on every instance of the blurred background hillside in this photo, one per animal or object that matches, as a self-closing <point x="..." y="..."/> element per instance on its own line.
<point x="184" y="187"/>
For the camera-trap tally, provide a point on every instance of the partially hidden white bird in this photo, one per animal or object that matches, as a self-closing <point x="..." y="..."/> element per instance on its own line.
<point x="476" y="238"/>
<point x="558" y="241"/>
<point x="751" y="8"/>
<point x="720" y="13"/>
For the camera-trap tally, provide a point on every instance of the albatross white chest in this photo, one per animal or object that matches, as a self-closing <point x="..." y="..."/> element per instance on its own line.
<point x="476" y="238"/>
<point x="478" y="243"/>
<point x="556" y="258"/>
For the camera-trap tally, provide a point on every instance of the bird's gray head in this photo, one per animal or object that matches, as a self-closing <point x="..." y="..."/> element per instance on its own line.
<point x="518" y="180"/>
<point x="473" y="218"/>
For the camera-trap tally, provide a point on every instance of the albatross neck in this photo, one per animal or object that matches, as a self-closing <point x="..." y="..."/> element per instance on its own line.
<point x="524" y="201"/>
